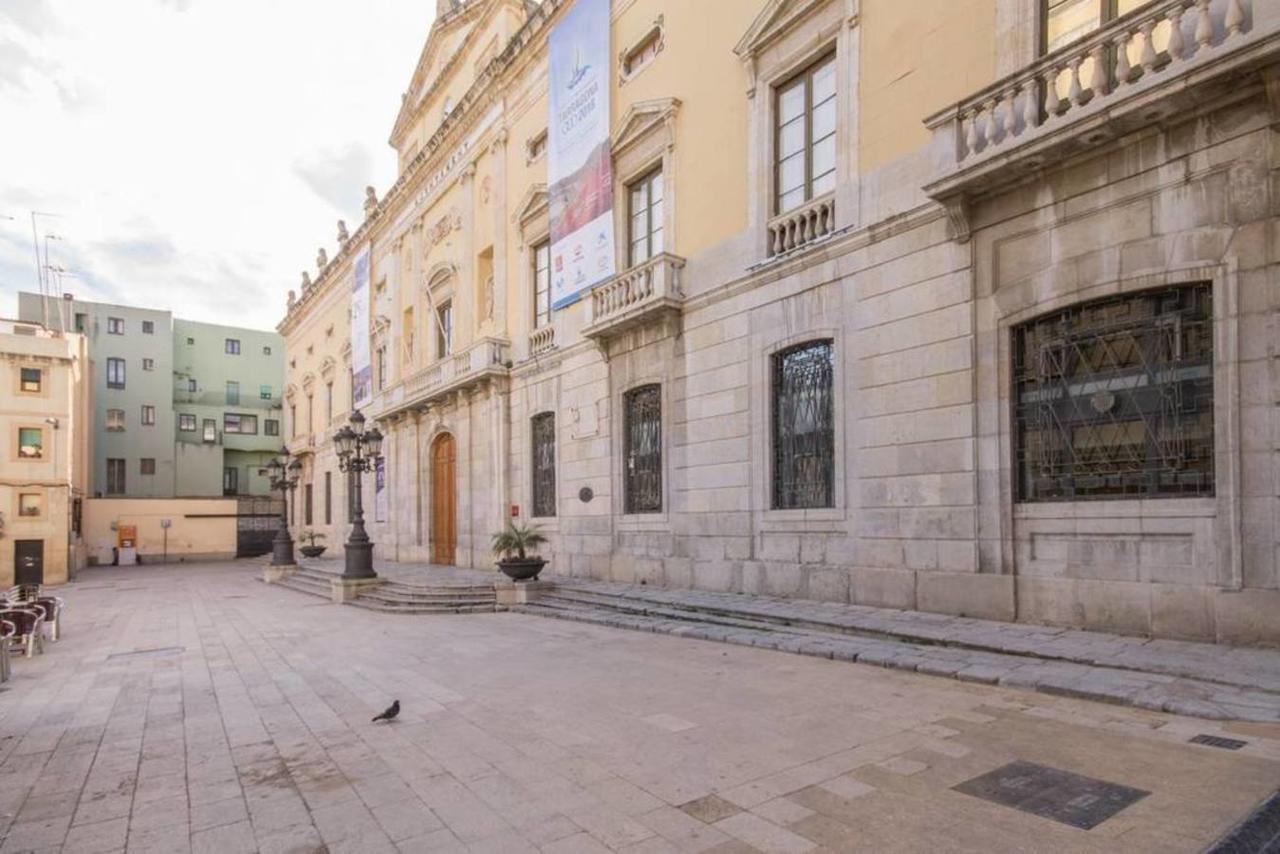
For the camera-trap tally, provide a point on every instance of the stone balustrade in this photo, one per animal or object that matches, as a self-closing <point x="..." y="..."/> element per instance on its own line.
<point x="542" y="340"/>
<point x="803" y="225"/>
<point x="484" y="358"/>
<point x="634" y="295"/>
<point x="1087" y="79"/>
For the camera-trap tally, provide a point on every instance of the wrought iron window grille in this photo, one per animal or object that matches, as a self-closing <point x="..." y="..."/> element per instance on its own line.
<point x="804" y="427"/>
<point x="544" y="464"/>
<point x="1113" y="398"/>
<point x="642" y="474"/>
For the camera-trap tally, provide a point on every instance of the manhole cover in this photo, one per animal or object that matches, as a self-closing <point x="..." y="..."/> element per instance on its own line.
<point x="1052" y="793"/>
<point x="1259" y="833"/>
<point x="1219" y="741"/>
<point x="160" y="650"/>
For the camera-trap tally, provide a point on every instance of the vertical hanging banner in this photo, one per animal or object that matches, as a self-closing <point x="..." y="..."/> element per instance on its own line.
<point x="380" y="490"/>
<point x="361" y="369"/>
<point x="579" y="165"/>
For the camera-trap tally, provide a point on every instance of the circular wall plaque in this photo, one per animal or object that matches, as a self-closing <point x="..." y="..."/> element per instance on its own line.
<point x="585" y="494"/>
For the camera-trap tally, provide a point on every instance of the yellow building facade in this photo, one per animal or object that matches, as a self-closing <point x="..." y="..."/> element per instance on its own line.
<point x="45" y="388"/>
<point x="958" y="305"/>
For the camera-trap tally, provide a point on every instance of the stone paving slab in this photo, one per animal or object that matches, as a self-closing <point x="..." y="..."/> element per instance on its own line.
<point x="735" y="619"/>
<point x="191" y="708"/>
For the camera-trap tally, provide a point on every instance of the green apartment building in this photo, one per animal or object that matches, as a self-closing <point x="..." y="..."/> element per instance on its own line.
<point x="181" y="409"/>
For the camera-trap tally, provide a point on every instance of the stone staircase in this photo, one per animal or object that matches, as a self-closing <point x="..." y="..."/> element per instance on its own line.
<point x="397" y="598"/>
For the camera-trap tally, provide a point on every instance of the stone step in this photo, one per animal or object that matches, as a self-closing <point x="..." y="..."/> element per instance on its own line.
<point x="1154" y="691"/>
<point x="391" y="594"/>
<point x="425" y="608"/>
<point x="558" y="599"/>
<point x="303" y="586"/>
<point x="1236" y="668"/>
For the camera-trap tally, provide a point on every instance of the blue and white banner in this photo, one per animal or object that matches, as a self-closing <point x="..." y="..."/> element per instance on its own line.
<point x="579" y="164"/>
<point x="361" y="368"/>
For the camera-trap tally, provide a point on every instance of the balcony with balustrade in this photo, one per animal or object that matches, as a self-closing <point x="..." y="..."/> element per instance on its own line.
<point x="643" y="294"/>
<point x="1162" y="61"/>
<point x="480" y="362"/>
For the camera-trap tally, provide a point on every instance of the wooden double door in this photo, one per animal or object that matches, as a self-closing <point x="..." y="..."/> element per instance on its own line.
<point x="444" y="500"/>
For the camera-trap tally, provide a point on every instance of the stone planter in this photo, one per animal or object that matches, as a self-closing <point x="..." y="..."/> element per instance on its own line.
<point x="522" y="570"/>
<point x="312" y="551"/>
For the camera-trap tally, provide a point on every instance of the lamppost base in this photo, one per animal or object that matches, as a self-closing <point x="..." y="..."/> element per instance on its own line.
<point x="359" y="561"/>
<point x="282" y="552"/>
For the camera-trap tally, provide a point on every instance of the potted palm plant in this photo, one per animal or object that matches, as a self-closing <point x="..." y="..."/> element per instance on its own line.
<point x="311" y="549"/>
<point x="514" y="543"/>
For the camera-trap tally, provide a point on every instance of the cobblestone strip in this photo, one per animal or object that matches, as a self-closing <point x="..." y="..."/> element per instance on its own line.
<point x="1154" y="691"/>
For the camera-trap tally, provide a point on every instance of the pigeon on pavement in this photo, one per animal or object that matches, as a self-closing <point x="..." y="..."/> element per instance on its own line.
<point x="390" y="713"/>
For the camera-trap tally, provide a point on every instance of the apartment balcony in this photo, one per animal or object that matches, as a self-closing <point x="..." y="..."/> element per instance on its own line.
<point x="1160" y="62"/>
<point x="634" y="297"/>
<point x="481" y="362"/>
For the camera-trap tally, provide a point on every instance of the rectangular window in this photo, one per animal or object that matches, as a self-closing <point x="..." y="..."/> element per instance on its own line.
<point x="232" y="347"/>
<point x="115" y="373"/>
<point x="233" y="393"/>
<point x="82" y="322"/>
<point x="644" y="210"/>
<point x="266" y="351"/>
<point x="148" y="364"/>
<point x="382" y="368"/>
<point x="306" y="504"/>
<point x="271" y="427"/>
<point x="115" y="420"/>
<point x="642" y="450"/>
<point x="191" y="342"/>
<point x="209" y="430"/>
<point x="803" y="427"/>
<point x="147" y="465"/>
<point x="30" y="503"/>
<point x="187" y="423"/>
<point x="328" y="402"/>
<point x="643" y="53"/>
<point x="293" y="420"/>
<point x="230" y="480"/>
<point x="328" y="498"/>
<point x="805" y="136"/>
<point x="148" y="415"/>
<point x="29" y="379"/>
<point x="543" y="464"/>
<point x="1066" y="21"/>
<point x="264" y="392"/>
<point x="240" y="424"/>
<point x="30" y="443"/>
<point x="148" y="327"/>
<point x="115" y="325"/>
<point x="542" y="283"/>
<point x="1113" y="398"/>
<point x="115" y="477"/>
<point x="444" y="330"/>
<point x="191" y="385"/>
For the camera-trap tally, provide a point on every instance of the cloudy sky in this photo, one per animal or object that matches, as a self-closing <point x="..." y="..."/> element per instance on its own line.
<point x="197" y="152"/>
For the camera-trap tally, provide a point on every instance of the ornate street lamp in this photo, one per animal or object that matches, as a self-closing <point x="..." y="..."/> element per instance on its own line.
<point x="284" y="475"/>
<point x="358" y="452"/>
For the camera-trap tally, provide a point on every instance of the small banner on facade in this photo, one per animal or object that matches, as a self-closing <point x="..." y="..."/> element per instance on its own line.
<point x="380" y="490"/>
<point x="361" y="369"/>
<point x="579" y="164"/>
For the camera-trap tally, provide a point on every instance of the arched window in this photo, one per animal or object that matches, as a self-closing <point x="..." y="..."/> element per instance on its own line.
<point x="642" y="450"/>
<point x="543" y="463"/>
<point x="803" y="427"/>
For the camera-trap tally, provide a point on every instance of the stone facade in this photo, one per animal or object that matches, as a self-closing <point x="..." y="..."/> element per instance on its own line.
<point x="952" y="223"/>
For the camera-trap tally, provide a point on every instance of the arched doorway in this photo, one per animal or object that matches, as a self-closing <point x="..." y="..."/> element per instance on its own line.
<point x="444" y="500"/>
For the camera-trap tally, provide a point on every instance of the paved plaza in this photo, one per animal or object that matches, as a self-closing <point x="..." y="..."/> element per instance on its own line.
<point x="194" y="708"/>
